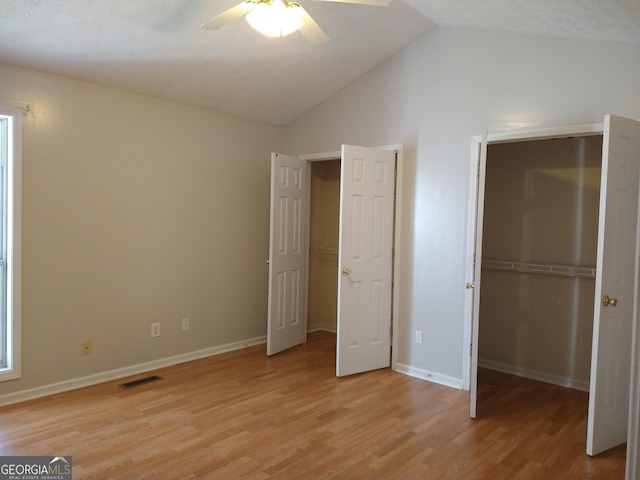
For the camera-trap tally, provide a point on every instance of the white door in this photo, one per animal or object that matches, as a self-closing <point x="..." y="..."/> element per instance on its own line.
<point x="473" y="287"/>
<point x="614" y="293"/>
<point x="365" y="260"/>
<point x="286" y="320"/>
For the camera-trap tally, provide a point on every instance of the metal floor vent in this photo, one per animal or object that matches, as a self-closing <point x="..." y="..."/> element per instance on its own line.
<point x="140" y="381"/>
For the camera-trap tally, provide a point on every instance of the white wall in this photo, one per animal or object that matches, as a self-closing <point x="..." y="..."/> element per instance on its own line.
<point x="433" y="97"/>
<point x="135" y="210"/>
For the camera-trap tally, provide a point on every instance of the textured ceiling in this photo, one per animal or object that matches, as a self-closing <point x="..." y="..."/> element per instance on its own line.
<point x="156" y="47"/>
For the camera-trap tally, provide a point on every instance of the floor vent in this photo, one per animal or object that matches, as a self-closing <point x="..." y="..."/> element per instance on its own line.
<point x="140" y="381"/>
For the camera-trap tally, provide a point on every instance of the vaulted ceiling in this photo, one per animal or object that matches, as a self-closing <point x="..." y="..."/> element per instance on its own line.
<point x="155" y="47"/>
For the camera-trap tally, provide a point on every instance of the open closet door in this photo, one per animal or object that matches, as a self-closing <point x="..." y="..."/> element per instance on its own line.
<point x="614" y="291"/>
<point x="286" y="320"/>
<point x="365" y="259"/>
<point x="477" y="200"/>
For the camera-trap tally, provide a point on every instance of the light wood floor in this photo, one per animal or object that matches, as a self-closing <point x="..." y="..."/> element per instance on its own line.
<point x="243" y="415"/>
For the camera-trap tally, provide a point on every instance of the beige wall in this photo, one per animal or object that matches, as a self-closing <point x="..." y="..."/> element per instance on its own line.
<point x="324" y="224"/>
<point x="541" y="206"/>
<point x="135" y="210"/>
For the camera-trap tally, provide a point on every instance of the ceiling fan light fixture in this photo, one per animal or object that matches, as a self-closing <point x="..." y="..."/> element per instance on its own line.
<point x="276" y="18"/>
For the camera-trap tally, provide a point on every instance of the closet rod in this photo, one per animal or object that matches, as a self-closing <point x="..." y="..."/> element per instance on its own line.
<point x="329" y="250"/>
<point x="582" y="271"/>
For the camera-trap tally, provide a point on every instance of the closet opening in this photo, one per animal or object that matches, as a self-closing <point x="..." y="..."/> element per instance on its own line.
<point x="324" y="221"/>
<point x="364" y="201"/>
<point x="530" y="344"/>
<point x="539" y="245"/>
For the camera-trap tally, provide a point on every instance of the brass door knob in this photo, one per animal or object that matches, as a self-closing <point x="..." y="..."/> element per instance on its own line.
<point x="606" y="301"/>
<point x="346" y="271"/>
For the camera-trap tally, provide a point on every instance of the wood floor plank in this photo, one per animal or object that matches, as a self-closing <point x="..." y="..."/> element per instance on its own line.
<point x="245" y="415"/>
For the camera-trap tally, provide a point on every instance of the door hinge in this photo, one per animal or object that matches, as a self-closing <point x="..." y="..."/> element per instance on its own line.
<point x="471" y="349"/>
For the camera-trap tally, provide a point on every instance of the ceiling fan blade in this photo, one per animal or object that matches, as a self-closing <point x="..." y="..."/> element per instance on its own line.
<point x="311" y="30"/>
<point x="376" y="3"/>
<point x="229" y="15"/>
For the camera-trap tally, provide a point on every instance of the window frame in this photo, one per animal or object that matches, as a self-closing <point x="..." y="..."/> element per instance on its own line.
<point x="12" y="227"/>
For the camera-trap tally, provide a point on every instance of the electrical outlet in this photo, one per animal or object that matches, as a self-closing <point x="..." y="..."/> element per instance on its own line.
<point x="418" y="337"/>
<point x="185" y="324"/>
<point x="155" y="329"/>
<point x="86" y="347"/>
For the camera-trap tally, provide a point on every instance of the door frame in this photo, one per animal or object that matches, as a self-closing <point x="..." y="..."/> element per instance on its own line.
<point x="397" y="237"/>
<point x="476" y="188"/>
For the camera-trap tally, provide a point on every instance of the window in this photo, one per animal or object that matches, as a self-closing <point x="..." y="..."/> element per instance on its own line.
<point x="10" y="221"/>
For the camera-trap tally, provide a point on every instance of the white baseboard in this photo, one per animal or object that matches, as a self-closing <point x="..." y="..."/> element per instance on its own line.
<point x="533" y="375"/>
<point x="400" y="368"/>
<point x="323" y="327"/>
<point x="430" y="376"/>
<point x="118" y="373"/>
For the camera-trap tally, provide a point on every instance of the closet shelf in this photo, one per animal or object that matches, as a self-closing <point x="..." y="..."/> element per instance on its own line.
<point x="329" y="250"/>
<point x="541" y="268"/>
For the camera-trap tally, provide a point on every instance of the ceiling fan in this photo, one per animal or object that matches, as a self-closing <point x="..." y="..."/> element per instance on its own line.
<point x="278" y="18"/>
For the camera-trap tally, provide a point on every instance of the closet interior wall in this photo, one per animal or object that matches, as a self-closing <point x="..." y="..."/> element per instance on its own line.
<point x="539" y="255"/>
<point x="323" y="240"/>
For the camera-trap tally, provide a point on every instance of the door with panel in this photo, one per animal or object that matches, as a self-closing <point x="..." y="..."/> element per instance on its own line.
<point x="608" y="418"/>
<point x="365" y="259"/>
<point x="286" y="316"/>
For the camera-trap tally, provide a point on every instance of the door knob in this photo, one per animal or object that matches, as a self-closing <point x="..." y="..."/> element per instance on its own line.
<point x="606" y="301"/>
<point x="346" y="271"/>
